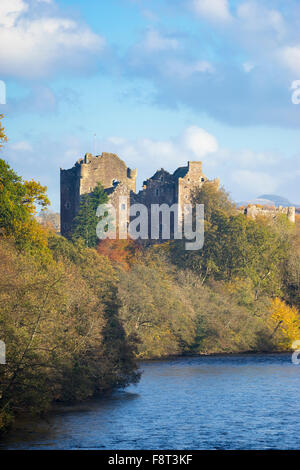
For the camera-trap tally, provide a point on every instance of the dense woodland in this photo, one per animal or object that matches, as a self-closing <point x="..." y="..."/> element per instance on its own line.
<point x="76" y="315"/>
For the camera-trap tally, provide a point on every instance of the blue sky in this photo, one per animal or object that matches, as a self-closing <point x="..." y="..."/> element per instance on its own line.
<point x="159" y="82"/>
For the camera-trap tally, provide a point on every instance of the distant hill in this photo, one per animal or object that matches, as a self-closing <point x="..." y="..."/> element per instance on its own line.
<point x="269" y="200"/>
<point x="277" y="200"/>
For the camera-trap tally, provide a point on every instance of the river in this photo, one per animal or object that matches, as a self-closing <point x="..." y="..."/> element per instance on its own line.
<point x="208" y="402"/>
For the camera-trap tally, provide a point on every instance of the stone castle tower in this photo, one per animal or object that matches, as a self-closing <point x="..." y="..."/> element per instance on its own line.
<point x="108" y="169"/>
<point x="119" y="180"/>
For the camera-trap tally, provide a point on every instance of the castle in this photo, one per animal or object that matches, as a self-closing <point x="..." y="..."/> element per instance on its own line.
<point x="119" y="180"/>
<point x="255" y="211"/>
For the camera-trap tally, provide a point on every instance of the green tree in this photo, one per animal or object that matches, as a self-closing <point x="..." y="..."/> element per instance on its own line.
<point x="86" y="221"/>
<point x="236" y="246"/>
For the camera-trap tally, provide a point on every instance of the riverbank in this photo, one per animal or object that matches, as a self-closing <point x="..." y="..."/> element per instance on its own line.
<point x="217" y="354"/>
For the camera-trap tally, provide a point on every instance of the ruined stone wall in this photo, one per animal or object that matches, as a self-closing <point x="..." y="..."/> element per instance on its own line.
<point x="254" y="211"/>
<point x="159" y="189"/>
<point x="106" y="169"/>
<point x="192" y="178"/>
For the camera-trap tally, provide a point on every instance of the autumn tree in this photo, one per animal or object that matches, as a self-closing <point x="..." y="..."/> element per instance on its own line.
<point x="122" y="252"/>
<point x="284" y="324"/>
<point x="18" y="200"/>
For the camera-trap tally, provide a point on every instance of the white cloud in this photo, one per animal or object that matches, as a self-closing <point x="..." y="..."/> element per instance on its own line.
<point x="155" y="41"/>
<point x="290" y="58"/>
<point x="183" y="70"/>
<point x="34" y="47"/>
<point x="249" y="159"/>
<point x="217" y="10"/>
<point x="22" y="146"/>
<point x="255" y="182"/>
<point x="199" y="141"/>
<point x="255" y="17"/>
<point x="10" y="10"/>
<point x="148" y="155"/>
<point x="244" y="172"/>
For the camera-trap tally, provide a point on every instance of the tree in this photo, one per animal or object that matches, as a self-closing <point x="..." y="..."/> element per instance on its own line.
<point x="60" y="322"/>
<point x="86" y="221"/>
<point x="215" y="199"/>
<point x="236" y="246"/>
<point x="121" y="252"/>
<point x="18" y="200"/>
<point x="35" y="194"/>
<point x="284" y="324"/>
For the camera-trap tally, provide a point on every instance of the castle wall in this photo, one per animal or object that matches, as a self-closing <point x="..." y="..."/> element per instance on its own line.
<point x="188" y="180"/>
<point x="118" y="180"/>
<point x="193" y="177"/>
<point x="159" y="189"/>
<point x="105" y="169"/>
<point x="253" y="211"/>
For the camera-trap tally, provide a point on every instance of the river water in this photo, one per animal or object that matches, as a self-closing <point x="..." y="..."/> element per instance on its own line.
<point x="212" y="402"/>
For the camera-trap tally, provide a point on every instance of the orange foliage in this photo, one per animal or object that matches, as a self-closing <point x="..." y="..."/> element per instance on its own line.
<point x="122" y="252"/>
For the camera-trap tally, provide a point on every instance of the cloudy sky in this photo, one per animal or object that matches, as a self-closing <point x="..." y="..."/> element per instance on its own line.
<point x="159" y="82"/>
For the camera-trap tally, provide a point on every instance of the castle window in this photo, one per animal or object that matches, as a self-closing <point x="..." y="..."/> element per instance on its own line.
<point x="157" y="192"/>
<point x="123" y="207"/>
<point x="202" y="179"/>
<point x="67" y="205"/>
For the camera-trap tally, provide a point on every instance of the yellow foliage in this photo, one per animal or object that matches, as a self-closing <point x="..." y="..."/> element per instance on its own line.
<point x="285" y="324"/>
<point x="35" y="194"/>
